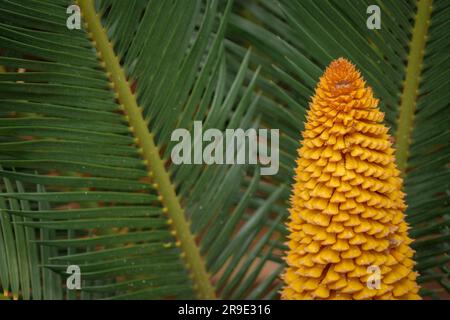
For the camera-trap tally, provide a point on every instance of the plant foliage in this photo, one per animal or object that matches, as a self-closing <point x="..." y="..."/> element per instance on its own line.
<point x="293" y="41"/>
<point x="77" y="186"/>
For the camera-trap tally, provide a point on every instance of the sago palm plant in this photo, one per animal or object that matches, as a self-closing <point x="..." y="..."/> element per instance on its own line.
<point x="407" y="65"/>
<point x="87" y="181"/>
<point x="87" y="114"/>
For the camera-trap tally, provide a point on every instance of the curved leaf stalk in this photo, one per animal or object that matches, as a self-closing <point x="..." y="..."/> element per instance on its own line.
<point x="412" y="81"/>
<point x="150" y="153"/>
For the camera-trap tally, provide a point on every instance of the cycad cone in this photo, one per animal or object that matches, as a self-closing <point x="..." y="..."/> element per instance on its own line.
<point x="348" y="237"/>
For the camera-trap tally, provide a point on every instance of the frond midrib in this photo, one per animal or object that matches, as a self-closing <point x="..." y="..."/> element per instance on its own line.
<point x="409" y="95"/>
<point x="150" y="152"/>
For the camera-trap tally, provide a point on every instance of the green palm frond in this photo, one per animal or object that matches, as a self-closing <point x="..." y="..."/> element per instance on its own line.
<point x="407" y="64"/>
<point x="86" y="117"/>
<point x="85" y="121"/>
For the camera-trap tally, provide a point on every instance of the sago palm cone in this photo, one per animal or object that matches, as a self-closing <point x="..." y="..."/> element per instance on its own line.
<point x="348" y="236"/>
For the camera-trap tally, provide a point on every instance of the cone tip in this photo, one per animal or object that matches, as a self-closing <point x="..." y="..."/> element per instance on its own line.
<point x="341" y="74"/>
<point x="341" y="62"/>
<point x="340" y="67"/>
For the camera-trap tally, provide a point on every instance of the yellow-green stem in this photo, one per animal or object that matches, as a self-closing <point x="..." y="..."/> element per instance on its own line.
<point x="150" y="153"/>
<point x="412" y="81"/>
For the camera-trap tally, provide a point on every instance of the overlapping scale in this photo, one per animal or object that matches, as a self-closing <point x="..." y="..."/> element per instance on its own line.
<point x="347" y="227"/>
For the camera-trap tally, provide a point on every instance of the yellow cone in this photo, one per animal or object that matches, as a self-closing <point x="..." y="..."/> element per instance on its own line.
<point x="348" y="237"/>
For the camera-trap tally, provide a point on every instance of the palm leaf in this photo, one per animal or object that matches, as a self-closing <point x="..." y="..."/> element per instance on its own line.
<point x="405" y="62"/>
<point x="86" y="118"/>
<point x="85" y="123"/>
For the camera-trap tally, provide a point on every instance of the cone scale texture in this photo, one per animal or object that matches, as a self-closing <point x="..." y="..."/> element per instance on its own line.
<point x="348" y="237"/>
